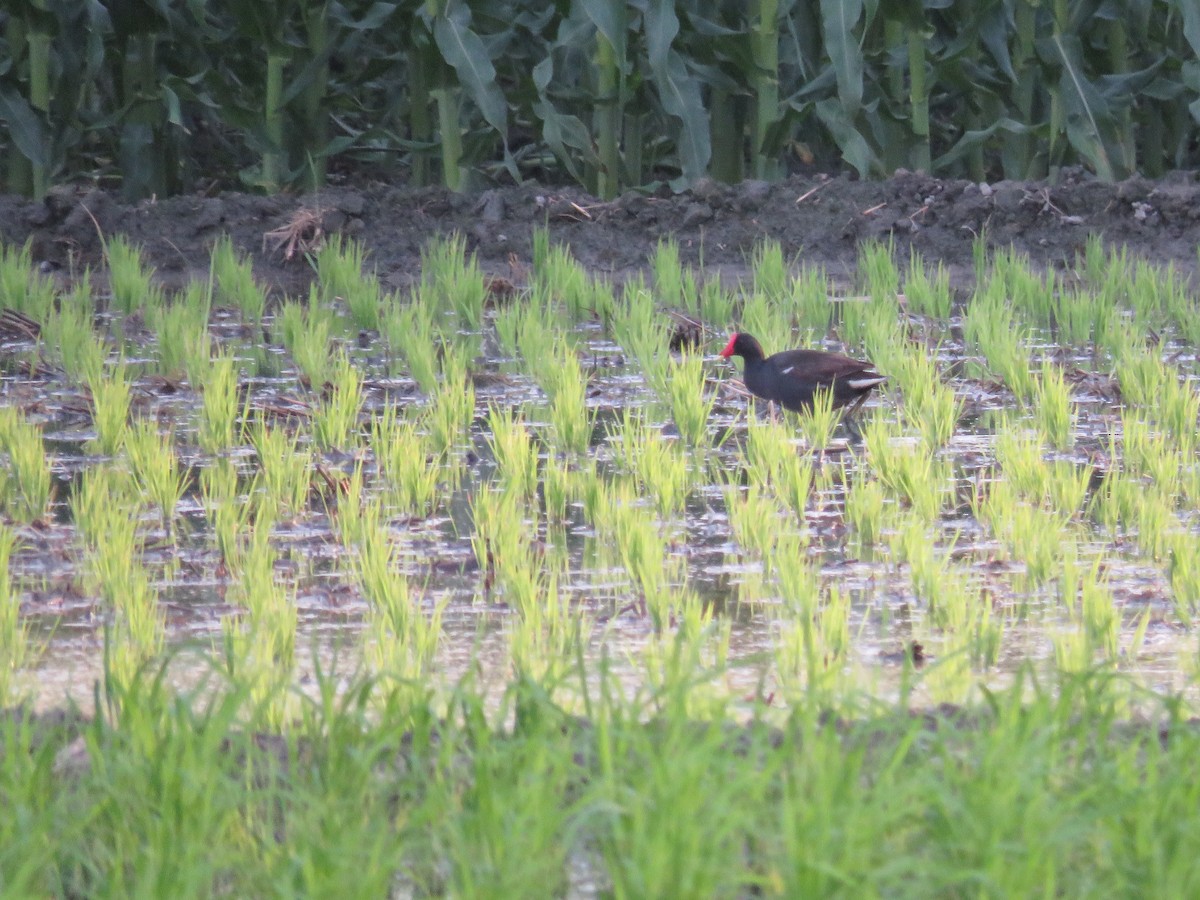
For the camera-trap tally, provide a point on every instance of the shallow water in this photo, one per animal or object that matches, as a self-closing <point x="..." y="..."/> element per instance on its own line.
<point x="885" y="616"/>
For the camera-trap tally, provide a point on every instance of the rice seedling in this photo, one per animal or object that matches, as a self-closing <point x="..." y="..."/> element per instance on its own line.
<point x="1075" y="317"/>
<point x="1183" y="573"/>
<point x="533" y="340"/>
<point x="262" y="649"/>
<point x="409" y="329"/>
<point x="928" y="293"/>
<point x="107" y="512"/>
<point x="934" y="577"/>
<point x="907" y="470"/>
<point x="403" y="456"/>
<point x="285" y="465"/>
<point x="936" y="416"/>
<point x="1178" y="412"/>
<point x="1088" y="595"/>
<point x="810" y="303"/>
<point x="769" y="448"/>
<point x="866" y="503"/>
<point x="25" y="489"/>
<point x="451" y="411"/>
<point x="559" y="279"/>
<point x="811" y="651"/>
<point x="16" y="649"/>
<point x="1053" y="409"/>
<point x="452" y="281"/>
<point x="1147" y="452"/>
<point x="818" y="421"/>
<point x="1058" y="485"/>
<point x="307" y="334"/>
<point x="765" y="318"/>
<point x="796" y="579"/>
<point x="644" y="555"/>
<point x="111" y="397"/>
<point x="754" y="519"/>
<point x="233" y="281"/>
<point x="571" y="422"/>
<point x="100" y="490"/>
<point x="219" y="409"/>
<point x="81" y="351"/>
<point x="514" y="450"/>
<point x="1029" y="535"/>
<point x="691" y="406"/>
<point x="402" y="639"/>
<point x="658" y="464"/>
<point x="508" y="323"/>
<point x="949" y="678"/>
<point x="989" y="326"/>
<point x="558" y="488"/>
<point x="673" y="287"/>
<point x="228" y="514"/>
<point x="500" y="547"/>
<point x="1142" y="376"/>
<point x="878" y="272"/>
<point x="181" y="328"/>
<point x="770" y="271"/>
<point x="132" y="285"/>
<point x="155" y="468"/>
<point x="1153" y="290"/>
<point x="637" y="326"/>
<point x="716" y="301"/>
<point x="1031" y="292"/>
<point x="341" y="267"/>
<point x="335" y="420"/>
<point x="21" y="287"/>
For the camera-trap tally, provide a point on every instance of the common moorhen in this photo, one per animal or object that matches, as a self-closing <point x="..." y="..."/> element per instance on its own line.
<point x="792" y="377"/>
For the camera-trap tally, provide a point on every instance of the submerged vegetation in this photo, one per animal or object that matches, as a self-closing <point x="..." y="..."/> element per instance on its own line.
<point x="600" y="623"/>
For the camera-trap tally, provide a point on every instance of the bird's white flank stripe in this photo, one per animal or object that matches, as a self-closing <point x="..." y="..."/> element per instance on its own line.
<point x="869" y="382"/>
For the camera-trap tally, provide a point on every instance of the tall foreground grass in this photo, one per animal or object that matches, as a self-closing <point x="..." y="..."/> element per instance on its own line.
<point x="606" y="93"/>
<point x="1044" y="790"/>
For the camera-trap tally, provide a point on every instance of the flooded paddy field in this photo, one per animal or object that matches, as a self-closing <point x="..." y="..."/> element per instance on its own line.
<point x="552" y="438"/>
<point x="399" y="558"/>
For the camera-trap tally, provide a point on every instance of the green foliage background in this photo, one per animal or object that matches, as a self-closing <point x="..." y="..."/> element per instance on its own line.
<point x="155" y="94"/>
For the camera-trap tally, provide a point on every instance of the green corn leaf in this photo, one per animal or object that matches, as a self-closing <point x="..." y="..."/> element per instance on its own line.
<point x="1093" y="106"/>
<point x="1191" y="29"/>
<point x="678" y="91"/>
<point x="465" y="51"/>
<point x="25" y="127"/>
<point x="994" y="35"/>
<point x="662" y="27"/>
<point x="977" y="138"/>
<point x="680" y="96"/>
<point x="609" y="17"/>
<point x="855" y="149"/>
<point x="567" y="136"/>
<point x="838" y="21"/>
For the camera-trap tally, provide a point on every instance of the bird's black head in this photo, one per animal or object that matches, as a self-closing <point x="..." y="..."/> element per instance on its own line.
<point x="743" y="345"/>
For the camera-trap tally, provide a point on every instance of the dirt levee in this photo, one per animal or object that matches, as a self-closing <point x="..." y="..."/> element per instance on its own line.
<point x="819" y="220"/>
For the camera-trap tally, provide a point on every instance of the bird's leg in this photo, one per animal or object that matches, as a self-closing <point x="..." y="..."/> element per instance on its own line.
<point x="854" y="407"/>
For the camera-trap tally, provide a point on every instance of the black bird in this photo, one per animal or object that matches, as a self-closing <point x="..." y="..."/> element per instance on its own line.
<point x="793" y="377"/>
